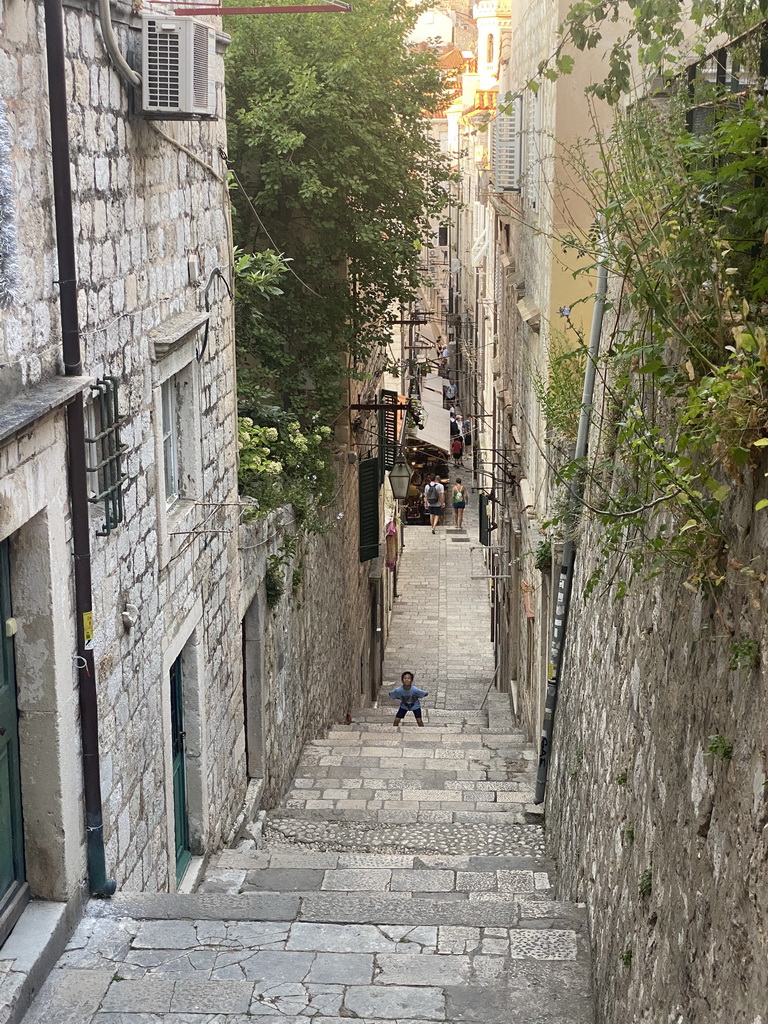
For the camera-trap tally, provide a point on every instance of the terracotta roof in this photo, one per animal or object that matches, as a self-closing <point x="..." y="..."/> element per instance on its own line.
<point x="452" y="59"/>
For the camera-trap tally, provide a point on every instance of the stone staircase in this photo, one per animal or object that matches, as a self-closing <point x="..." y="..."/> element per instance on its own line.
<point x="403" y="879"/>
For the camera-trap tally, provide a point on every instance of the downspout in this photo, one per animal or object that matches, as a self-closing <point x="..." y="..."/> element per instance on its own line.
<point x="122" y="67"/>
<point x="99" y="884"/>
<point x="565" y="582"/>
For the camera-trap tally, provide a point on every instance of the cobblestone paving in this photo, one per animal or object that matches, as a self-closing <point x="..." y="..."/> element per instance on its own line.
<point x="403" y="879"/>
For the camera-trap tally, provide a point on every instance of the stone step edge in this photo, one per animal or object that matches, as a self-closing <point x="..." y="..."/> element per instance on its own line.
<point x="532" y="814"/>
<point x="248" y="859"/>
<point x="329" y="908"/>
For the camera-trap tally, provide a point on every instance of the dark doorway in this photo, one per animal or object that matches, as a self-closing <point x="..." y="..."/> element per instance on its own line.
<point x="178" y="748"/>
<point x="14" y="892"/>
<point x="253" y="673"/>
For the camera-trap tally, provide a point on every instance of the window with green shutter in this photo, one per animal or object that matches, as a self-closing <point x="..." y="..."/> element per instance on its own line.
<point x="368" y="498"/>
<point x="388" y="430"/>
<point x="482" y="505"/>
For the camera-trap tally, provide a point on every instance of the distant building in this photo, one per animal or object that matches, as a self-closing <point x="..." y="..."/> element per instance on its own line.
<point x="500" y="280"/>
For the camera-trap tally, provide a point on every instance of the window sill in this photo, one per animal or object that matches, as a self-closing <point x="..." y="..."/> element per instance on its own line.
<point x="179" y="515"/>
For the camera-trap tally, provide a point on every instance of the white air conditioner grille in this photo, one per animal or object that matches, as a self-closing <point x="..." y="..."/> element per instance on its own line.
<point x="163" y="67"/>
<point x="177" y="64"/>
<point x="200" y="80"/>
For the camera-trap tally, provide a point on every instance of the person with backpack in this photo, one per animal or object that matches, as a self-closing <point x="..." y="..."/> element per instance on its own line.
<point x="459" y="503"/>
<point x="409" y="696"/>
<point x="434" y="500"/>
<point x="457" y="450"/>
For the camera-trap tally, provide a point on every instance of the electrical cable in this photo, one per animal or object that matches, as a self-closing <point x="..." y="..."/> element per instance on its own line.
<point x="185" y="149"/>
<point x="255" y="212"/>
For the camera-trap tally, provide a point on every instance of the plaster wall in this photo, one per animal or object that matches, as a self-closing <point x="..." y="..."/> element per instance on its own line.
<point x="544" y="273"/>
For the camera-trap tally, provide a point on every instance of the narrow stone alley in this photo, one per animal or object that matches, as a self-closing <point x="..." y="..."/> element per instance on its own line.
<point x="403" y="877"/>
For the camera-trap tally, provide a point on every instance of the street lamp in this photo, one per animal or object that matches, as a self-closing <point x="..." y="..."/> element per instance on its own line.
<point x="400" y="478"/>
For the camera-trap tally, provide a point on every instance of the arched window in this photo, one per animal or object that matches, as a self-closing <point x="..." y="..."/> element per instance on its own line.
<point x="491" y="45"/>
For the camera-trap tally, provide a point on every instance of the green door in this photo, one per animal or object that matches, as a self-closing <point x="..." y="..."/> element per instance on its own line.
<point x="13" y="890"/>
<point x="180" y="815"/>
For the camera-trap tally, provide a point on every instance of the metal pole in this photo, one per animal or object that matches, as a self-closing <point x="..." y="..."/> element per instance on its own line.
<point x="565" y="582"/>
<point x="100" y="885"/>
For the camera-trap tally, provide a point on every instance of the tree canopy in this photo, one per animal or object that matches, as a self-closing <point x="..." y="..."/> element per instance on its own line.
<point x="336" y="168"/>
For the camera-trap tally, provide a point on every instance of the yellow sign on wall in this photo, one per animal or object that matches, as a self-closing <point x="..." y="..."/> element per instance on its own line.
<point x="88" y="630"/>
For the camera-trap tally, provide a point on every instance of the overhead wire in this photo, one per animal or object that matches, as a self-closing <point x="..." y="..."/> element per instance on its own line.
<point x="263" y="227"/>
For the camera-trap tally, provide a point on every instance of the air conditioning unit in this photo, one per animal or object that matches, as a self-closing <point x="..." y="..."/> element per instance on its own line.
<point x="177" y="57"/>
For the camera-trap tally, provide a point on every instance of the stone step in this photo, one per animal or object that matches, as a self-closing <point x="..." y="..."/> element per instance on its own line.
<point x="174" y="910"/>
<point x="157" y="957"/>
<point x="491" y="834"/>
<point x="405" y="812"/>
<point x="497" y="884"/>
<point x="247" y="858"/>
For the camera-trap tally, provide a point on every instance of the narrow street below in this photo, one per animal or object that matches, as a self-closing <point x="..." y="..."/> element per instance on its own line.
<point x="403" y="877"/>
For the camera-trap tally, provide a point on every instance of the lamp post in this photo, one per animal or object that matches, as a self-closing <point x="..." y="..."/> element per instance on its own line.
<point x="400" y="478"/>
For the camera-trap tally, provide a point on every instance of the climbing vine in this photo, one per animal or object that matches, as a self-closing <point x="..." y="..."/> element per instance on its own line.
<point x="683" y="223"/>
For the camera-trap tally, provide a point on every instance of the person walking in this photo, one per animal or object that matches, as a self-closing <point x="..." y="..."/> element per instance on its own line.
<point x="457" y="450"/>
<point x="467" y="432"/>
<point x="459" y="503"/>
<point x="434" y="500"/>
<point x="409" y="697"/>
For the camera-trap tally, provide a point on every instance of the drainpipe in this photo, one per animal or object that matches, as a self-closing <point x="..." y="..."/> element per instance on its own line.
<point x="99" y="884"/>
<point x="565" y="582"/>
<point x="122" y="66"/>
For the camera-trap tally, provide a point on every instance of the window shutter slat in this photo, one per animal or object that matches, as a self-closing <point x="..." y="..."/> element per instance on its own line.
<point x="368" y="504"/>
<point x="388" y="429"/>
<point x="505" y="148"/>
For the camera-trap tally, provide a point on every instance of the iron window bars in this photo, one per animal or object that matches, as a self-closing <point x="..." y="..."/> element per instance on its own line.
<point x="106" y="451"/>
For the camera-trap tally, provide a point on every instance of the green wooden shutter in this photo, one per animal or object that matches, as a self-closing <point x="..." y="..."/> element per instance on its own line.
<point x="388" y="429"/>
<point x="482" y="505"/>
<point x="368" y="498"/>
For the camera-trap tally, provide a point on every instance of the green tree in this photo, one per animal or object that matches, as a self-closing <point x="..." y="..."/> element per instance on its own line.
<point x="336" y="167"/>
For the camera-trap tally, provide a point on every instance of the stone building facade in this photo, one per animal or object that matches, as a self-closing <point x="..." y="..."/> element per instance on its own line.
<point x="663" y="836"/>
<point x="153" y="249"/>
<point x="188" y="720"/>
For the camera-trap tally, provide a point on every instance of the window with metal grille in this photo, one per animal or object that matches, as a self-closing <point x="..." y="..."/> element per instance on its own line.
<point x="104" y="452"/>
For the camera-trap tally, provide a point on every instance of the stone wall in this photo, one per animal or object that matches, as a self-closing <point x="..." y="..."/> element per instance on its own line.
<point x="142" y="208"/>
<point x="318" y="654"/>
<point x="648" y="681"/>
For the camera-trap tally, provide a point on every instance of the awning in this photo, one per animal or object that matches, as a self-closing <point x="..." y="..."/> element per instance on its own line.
<point x="437" y="431"/>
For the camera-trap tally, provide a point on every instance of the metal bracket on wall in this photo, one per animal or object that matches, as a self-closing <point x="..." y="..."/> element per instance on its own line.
<point x="484" y="574"/>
